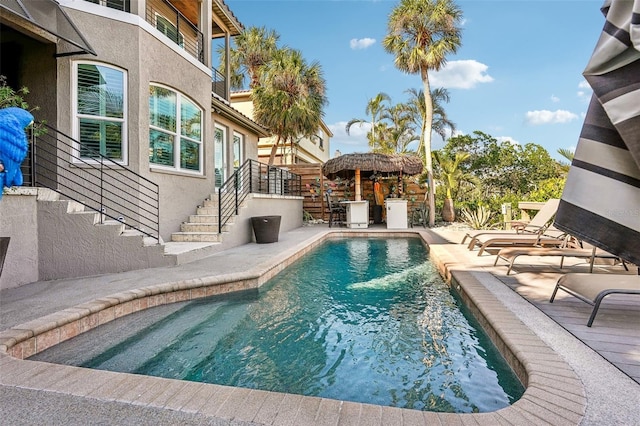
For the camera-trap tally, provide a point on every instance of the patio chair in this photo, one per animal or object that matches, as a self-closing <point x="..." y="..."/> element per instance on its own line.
<point x="593" y="288"/>
<point x="545" y="237"/>
<point x="571" y="247"/>
<point x="539" y="221"/>
<point x="419" y="214"/>
<point x="337" y="212"/>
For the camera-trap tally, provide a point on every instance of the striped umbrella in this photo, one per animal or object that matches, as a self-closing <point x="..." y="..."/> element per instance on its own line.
<point x="601" y="199"/>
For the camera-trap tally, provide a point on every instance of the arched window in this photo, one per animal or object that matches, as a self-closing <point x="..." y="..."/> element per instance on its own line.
<point x="175" y="132"/>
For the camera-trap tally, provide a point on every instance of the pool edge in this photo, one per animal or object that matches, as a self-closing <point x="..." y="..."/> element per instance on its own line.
<point x="553" y="394"/>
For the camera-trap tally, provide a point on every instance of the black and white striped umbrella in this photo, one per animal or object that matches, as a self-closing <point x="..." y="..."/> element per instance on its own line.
<point x="601" y="199"/>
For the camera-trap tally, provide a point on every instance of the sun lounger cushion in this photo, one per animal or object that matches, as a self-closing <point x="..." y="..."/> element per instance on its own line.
<point x="510" y="254"/>
<point x="593" y="288"/>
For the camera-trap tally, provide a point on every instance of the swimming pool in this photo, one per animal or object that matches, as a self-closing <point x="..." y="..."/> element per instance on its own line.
<point x="364" y="320"/>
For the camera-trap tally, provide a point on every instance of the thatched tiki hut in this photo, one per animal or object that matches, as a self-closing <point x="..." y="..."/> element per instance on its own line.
<point x="366" y="164"/>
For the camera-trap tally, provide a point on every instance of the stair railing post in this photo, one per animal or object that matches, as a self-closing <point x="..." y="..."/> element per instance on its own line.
<point x="235" y="185"/>
<point x="103" y="209"/>
<point x="220" y="210"/>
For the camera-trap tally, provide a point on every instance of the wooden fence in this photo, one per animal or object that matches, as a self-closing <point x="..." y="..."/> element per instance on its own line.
<point x="314" y="185"/>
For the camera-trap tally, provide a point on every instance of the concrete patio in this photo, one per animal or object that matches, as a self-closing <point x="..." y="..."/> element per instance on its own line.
<point x="577" y="375"/>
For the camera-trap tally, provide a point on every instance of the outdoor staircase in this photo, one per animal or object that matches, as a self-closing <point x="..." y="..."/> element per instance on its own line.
<point x="203" y="226"/>
<point x="198" y="236"/>
<point x="86" y="242"/>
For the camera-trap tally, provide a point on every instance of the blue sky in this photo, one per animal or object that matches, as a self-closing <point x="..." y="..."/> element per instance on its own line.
<point x="517" y="75"/>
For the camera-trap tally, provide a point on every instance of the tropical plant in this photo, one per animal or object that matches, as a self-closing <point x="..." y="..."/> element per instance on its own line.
<point x="566" y="153"/>
<point x="479" y="219"/>
<point x="440" y="122"/>
<point x="290" y="97"/>
<point x="396" y="133"/>
<point x="421" y="33"/>
<point x="253" y="47"/>
<point x="376" y="108"/>
<point x="450" y="174"/>
<point x="9" y="97"/>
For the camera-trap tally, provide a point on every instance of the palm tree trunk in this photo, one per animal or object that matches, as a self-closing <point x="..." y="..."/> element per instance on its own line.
<point x="274" y="149"/>
<point x="427" y="145"/>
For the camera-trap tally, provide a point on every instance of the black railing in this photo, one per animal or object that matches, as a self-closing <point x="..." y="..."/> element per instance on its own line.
<point x="219" y="84"/>
<point x="96" y="181"/>
<point x="163" y="16"/>
<point x="254" y="177"/>
<point x="124" y="5"/>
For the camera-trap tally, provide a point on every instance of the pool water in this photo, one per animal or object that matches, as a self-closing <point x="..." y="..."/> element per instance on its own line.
<point x="362" y="319"/>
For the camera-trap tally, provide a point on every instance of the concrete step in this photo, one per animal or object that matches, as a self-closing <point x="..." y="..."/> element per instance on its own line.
<point x="203" y="218"/>
<point x="194" y="237"/>
<point x="185" y="252"/>
<point x="207" y="211"/>
<point x="202" y="227"/>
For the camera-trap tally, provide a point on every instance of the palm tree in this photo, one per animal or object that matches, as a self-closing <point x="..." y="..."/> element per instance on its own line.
<point x="290" y="97"/>
<point x="421" y="33"/>
<point x="566" y="153"/>
<point x="451" y="174"/>
<point x="375" y="108"/>
<point x="254" y="47"/>
<point x="440" y="122"/>
<point x="396" y="131"/>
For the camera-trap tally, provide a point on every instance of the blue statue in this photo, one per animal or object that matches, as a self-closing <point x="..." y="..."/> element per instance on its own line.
<point x="13" y="145"/>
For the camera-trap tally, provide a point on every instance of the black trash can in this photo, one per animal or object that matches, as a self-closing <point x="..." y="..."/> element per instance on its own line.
<point x="266" y="228"/>
<point x="377" y="214"/>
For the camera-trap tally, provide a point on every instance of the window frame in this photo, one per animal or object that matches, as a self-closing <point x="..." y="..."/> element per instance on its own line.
<point x="76" y="116"/>
<point x="223" y="154"/>
<point x="177" y="135"/>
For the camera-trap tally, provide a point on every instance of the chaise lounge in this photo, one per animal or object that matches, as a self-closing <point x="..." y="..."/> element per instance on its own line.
<point x="593" y="288"/>
<point x="571" y="248"/>
<point x="539" y="222"/>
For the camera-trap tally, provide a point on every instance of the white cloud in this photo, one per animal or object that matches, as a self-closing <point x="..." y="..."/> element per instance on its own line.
<point x="355" y="141"/>
<point x="584" y="85"/>
<point x="361" y="43"/>
<point x="554" y="98"/>
<point x="463" y="74"/>
<point x="549" y="117"/>
<point x="507" y="139"/>
<point x="584" y="91"/>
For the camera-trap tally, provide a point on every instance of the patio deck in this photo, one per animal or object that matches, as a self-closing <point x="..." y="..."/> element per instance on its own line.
<point x="31" y="393"/>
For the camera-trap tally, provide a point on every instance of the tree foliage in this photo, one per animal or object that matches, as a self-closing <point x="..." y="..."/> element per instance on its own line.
<point x="420" y="34"/>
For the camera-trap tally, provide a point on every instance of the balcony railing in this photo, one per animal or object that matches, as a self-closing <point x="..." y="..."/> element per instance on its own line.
<point x="219" y="84"/>
<point x="254" y="177"/>
<point x="173" y="24"/>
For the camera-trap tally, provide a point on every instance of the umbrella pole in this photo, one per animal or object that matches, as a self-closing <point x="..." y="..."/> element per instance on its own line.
<point x="358" y="191"/>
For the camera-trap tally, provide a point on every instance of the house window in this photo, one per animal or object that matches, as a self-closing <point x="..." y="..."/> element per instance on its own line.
<point x="238" y="150"/>
<point x="169" y="29"/>
<point x="100" y="110"/>
<point x="219" y="154"/>
<point x="175" y="131"/>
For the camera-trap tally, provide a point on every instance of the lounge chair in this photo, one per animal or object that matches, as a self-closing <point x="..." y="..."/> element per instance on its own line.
<point x="570" y="248"/>
<point x="539" y="221"/>
<point x="546" y="237"/>
<point x="593" y="288"/>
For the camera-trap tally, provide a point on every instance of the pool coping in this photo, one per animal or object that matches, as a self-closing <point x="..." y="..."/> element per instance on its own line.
<point x="554" y="394"/>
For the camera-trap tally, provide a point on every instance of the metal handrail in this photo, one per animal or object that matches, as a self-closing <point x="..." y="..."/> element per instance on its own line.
<point x="254" y="177"/>
<point x="187" y="35"/>
<point x="219" y="83"/>
<point x="94" y="180"/>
